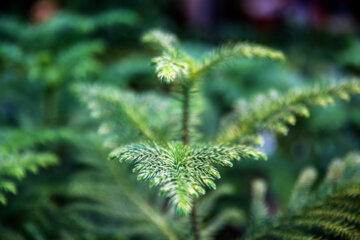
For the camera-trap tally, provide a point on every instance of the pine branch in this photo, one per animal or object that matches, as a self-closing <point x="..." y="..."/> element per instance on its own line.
<point x="18" y="154"/>
<point x="274" y="112"/>
<point x="127" y="117"/>
<point x="228" y="52"/>
<point x="180" y="170"/>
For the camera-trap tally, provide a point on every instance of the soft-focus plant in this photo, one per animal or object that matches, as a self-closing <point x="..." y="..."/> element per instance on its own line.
<point x="38" y="62"/>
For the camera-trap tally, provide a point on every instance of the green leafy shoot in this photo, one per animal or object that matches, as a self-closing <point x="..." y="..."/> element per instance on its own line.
<point x="71" y="22"/>
<point x="182" y="171"/>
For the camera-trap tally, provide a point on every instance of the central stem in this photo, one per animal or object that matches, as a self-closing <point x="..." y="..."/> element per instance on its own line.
<point x="194" y="221"/>
<point x="186" y="140"/>
<point x="185" y="118"/>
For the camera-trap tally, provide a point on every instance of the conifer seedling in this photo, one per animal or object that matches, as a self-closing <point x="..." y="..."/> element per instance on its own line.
<point x="164" y="146"/>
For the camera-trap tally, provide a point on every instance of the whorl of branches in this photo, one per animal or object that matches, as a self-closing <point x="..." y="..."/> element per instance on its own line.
<point x="182" y="171"/>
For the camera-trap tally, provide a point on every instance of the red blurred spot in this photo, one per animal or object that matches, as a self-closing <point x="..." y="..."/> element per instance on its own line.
<point x="43" y="10"/>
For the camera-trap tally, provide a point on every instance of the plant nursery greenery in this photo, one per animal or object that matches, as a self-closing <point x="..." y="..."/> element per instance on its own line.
<point x="156" y="122"/>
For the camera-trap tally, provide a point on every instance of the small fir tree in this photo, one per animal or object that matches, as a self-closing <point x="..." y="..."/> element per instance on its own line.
<point x="162" y="142"/>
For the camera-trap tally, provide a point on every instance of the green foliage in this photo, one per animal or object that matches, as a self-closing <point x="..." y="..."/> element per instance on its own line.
<point x="36" y="70"/>
<point x="274" y="111"/>
<point x="35" y="49"/>
<point x="331" y="212"/>
<point x="182" y="171"/>
<point x="66" y="24"/>
<point x="86" y="198"/>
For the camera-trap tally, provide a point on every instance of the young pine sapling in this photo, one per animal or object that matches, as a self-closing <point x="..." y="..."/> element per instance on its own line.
<point x="167" y="151"/>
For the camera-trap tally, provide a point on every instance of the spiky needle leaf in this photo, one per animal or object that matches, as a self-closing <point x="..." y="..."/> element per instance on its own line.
<point x="274" y="112"/>
<point x="182" y="171"/>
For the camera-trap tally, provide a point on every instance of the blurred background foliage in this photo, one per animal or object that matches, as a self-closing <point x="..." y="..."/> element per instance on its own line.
<point x="47" y="46"/>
